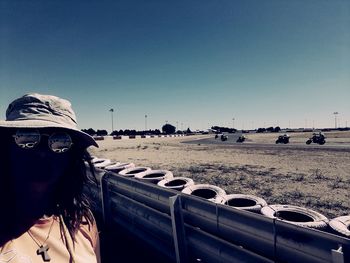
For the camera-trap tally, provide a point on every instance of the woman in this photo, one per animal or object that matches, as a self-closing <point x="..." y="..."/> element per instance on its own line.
<point x="45" y="215"/>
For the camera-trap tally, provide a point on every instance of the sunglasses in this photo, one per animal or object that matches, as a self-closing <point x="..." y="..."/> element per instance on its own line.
<point x="58" y="142"/>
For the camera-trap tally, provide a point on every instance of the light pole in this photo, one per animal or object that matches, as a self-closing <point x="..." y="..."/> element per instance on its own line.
<point x="112" y="110"/>
<point x="335" y="118"/>
<point x="233" y="123"/>
<point x="146" y="122"/>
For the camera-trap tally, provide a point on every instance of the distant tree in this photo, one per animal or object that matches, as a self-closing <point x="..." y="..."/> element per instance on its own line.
<point x="261" y="130"/>
<point x="114" y="133"/>
<point x="223" y="129"/>
<point x="168" y="129"/>
<point x="101" y="133"/>
<point x="277" y="129"/>
<point x="270" y="129"/>
<point x="129" y="132"/>
<point x="188" y="130"/>
<point x="89" y="131"/>
<point x="157" y="131"/>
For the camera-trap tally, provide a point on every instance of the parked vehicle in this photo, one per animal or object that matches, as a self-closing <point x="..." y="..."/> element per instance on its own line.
<point x="223" y="137"/>
<point x="319" y="138"/>
<point x="241" y="138"/>
<point x="283" y="139"/>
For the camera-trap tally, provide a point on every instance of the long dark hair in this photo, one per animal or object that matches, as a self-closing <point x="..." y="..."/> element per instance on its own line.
<point x="70" y="200"/>
<point x="5" y="195"/>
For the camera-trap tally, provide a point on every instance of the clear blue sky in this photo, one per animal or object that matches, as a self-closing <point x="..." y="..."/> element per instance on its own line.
<point x="197" y="63"/>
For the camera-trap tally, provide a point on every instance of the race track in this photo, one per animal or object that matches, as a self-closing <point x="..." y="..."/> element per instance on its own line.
<point x="231" y="142"/>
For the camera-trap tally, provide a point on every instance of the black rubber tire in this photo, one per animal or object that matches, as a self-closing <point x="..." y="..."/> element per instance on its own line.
<point x="95" y="159"/>
<point x="210" y="192"/>
<point x="101" y="162"/>
<point x="308" y="142"/>
<point x="104" y="165"/>
<point x="303" y="216"/>
<point x="154" y="176"/>
<point x="119" y="167"/>
<point x="341" y="225"/>
<point x="98" y="138"/>
<point x="132" y="172"/>
<point x="176" y="183"/>
<point x="245" y="202"/>
<point x="322" y="142"/>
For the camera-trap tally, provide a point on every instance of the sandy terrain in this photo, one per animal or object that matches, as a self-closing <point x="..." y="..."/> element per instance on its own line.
<point x="317" y="179"/>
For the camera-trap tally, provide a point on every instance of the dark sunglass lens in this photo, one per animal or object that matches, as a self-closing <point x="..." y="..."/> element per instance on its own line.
<point x="60" y="142"/>
<point x="27" y="139"/>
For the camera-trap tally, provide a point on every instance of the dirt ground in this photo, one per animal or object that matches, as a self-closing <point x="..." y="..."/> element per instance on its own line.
<point x="317" y="179"/>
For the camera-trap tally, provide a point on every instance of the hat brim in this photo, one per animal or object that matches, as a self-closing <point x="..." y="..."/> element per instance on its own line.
<point x="85" y="138"/>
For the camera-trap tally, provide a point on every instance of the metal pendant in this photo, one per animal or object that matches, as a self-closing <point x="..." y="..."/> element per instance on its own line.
<point x="43" y="251"/>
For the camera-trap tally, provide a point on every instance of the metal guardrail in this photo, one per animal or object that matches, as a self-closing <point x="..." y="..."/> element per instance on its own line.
<point x="186" y="228"/>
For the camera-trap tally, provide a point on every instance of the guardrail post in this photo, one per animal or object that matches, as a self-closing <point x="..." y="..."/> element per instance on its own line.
<point x="338" y="255"/>
<point x="105" y="200"/>
<point x="179" y="234"/>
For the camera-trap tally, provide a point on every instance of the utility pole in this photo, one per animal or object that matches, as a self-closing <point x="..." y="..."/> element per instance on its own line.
<point x="112" y="110"/>
<point x="335" y="118"/>
<point x="233" y="123"/>
<point x="146" y="122"/>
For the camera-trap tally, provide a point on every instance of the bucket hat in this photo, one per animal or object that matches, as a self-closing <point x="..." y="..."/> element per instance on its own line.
<point x="44" y="111"/>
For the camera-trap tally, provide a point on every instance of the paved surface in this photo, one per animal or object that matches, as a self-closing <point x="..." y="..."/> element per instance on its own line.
<point x="231" y="141"/>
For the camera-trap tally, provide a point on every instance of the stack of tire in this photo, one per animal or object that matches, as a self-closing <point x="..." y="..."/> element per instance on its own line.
<point x="296" y="215"/>
<point x="133" y="171"/>
<point x="341" y="225"/>
<point x="210" y="192"/>
<point x="245" y="202"/>
<point x="154" y="176"/>
<point x="176" y="183"/>
<point x="130" y="170"/>
<point x="100" y="162"/>
<point x="288" y="213"/>
<point x="117" y="167"/>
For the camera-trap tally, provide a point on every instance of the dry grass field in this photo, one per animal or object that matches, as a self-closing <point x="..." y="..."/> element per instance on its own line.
<point x="317" y="179"/>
